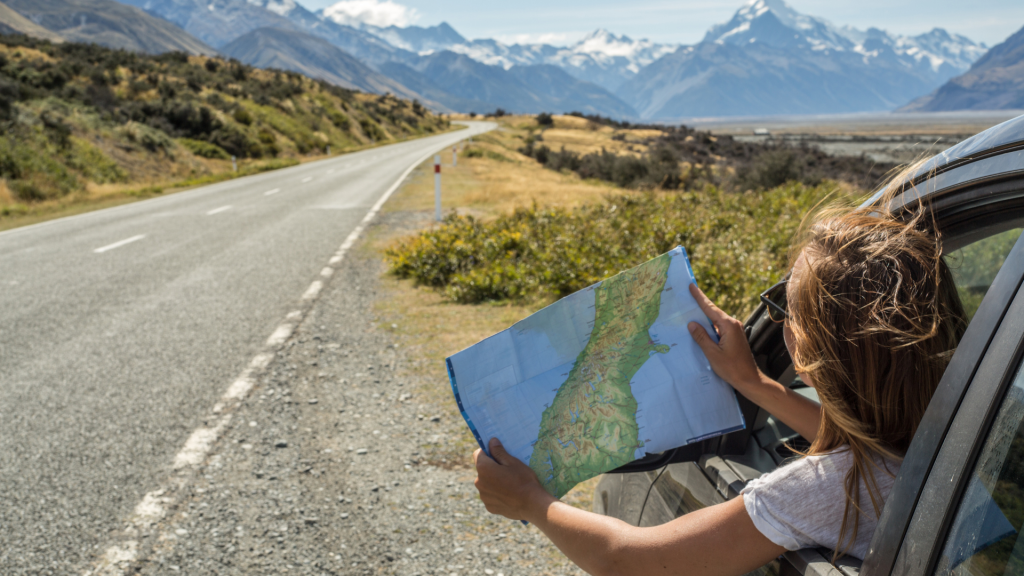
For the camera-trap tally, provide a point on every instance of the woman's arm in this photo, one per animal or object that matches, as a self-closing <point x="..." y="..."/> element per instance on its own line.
<point x="733" y="361"/>
<point x="715" y="541"/>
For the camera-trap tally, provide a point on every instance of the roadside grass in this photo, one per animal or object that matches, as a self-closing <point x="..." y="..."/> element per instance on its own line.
<point x="14" y="213"/>
<point x="487" y="187"/>
<point x="99" y="196"/>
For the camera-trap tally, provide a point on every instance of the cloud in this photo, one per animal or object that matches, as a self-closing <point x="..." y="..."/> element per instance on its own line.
<point x="553" y="38"/>
<point x="373" y="12"/>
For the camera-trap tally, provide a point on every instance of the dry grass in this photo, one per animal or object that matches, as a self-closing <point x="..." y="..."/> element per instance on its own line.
<point x="488" y="187"/>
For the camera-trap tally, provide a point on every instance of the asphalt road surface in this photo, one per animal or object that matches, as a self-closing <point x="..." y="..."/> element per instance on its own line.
<point x="119" y="329"/>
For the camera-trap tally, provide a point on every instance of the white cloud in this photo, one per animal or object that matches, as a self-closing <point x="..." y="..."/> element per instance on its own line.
<point x="552" y="38"/>
<point x="373" y="12"/>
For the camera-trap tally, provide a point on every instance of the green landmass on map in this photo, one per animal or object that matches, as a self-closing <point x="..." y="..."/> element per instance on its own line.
<point x="591" y="427"/>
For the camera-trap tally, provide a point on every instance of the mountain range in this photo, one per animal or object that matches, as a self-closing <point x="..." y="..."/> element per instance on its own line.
<point x="767" y="59"/>
<point x="994" y="82"/>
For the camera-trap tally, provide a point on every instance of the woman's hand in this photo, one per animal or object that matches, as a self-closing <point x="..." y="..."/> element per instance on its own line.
<point x="507" y="486"/>
<point x="730" y="357"/>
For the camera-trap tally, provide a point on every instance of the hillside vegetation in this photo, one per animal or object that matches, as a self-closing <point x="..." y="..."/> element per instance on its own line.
<point x="79" y="120"/>
<point x="735" y="207"/>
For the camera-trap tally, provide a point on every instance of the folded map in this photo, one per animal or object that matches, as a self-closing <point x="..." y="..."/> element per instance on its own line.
<point x="598" y="379"/>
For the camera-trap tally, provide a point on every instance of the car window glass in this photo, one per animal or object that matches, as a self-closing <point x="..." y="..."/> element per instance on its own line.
<point x="985" y="536"/>
<point x="974" y="266"/>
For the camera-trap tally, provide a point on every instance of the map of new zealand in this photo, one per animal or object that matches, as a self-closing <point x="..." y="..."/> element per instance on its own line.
<point x="597" y="379"/>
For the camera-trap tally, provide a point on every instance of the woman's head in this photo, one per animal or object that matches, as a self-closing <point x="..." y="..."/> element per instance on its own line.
<point x="874" y="319"/>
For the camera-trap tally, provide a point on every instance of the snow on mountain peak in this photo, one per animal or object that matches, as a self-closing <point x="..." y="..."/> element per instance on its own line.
<point x="775" y="23"/>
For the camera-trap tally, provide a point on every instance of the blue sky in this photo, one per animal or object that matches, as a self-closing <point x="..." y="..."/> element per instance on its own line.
<point x="563" y="21"/>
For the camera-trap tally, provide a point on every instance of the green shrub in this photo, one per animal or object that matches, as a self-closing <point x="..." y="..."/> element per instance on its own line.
<point x="242" y="116"/>
<point x="204" y="149"/>
<point x="545" y="119"/>
<point x="738" y="244"/>
<point x="474" y="152"/>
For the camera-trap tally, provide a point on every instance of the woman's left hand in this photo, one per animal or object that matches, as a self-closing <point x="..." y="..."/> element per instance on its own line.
<point x="506" y="485"/>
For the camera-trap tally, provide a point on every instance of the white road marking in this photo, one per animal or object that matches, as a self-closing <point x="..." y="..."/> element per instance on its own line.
<point x="119" y="244"/>
<point x="313" y="291"/>
<point x="307" y="179"/>
<point x="219" y="210"/>
<point x="271" y="192"/>
<point x="327" y="272"/>
<point x="118" y="558"/>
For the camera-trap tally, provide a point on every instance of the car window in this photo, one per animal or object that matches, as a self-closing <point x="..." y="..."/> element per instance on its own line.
<point x="974" y="266"/>
<point x="985" y="536"/>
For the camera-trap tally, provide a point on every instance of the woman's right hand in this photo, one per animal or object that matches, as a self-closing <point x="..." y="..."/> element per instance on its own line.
<point x="730" y="357"/>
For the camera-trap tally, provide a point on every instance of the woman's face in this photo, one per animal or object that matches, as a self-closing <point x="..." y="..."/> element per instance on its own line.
<point x="787" y="332"/>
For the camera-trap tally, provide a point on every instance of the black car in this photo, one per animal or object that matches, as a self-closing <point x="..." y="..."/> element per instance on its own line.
<point x="957" y="505"/>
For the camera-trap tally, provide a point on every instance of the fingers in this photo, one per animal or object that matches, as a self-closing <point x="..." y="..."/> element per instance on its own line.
<point x="700" y="336"/>
<point x="707" y="306"/>
<point x="498" y="452"/>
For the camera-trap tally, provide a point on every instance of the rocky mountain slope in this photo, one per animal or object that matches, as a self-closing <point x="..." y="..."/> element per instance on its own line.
<point x="12" y="22"/>
<point x="107" y="23"/>
<point x="995" y="82"/>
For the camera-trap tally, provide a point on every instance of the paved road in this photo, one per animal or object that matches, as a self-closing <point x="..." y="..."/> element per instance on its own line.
<point x="119" y="329"/>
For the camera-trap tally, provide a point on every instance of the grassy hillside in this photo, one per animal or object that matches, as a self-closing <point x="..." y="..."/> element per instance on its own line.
<point x="79" y="122"/>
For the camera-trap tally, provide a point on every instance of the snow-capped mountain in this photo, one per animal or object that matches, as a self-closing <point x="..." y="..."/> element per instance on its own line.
<point x="601" y="57"/>
<point x="775" y="23"/>
<point x="770" y="59"/>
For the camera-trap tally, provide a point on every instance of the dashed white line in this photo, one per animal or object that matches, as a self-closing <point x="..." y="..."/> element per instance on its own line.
<point x="219" y="210"/>
<point x="154" y="505"/>
<point x="307" y="179"/>
<point x="271" y="192"/>
<point x="119" y="244"/>
<point x="314" y="290"/>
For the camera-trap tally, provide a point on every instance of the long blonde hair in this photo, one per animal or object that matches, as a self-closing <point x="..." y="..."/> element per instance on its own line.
<point x="876" y="317"/>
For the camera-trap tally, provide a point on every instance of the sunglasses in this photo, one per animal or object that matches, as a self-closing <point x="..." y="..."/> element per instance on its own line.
<point x="774" y="299"/>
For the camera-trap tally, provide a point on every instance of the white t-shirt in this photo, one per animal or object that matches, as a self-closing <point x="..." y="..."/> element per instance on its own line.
<point x="801" y="505"/>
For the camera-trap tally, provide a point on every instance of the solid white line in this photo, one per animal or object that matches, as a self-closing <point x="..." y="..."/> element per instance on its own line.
<point x="219" y="210"/>
<point x="271" y="192"/>
<point x="154" y="506"/>
<point x="119" y="244"/>
<point x="307" y="179"/>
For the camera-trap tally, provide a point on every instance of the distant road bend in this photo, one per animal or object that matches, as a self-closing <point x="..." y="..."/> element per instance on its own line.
<point x="121" y="328"/>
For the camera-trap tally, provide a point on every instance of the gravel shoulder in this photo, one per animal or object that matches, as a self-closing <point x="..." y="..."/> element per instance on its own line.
<point x="339" y="461"/>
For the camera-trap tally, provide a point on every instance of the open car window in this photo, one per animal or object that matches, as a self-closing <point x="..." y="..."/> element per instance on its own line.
<point x="975" y="265"/>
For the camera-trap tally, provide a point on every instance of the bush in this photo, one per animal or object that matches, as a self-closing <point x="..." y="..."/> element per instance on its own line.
<point x="738" y="244"/>
<point x="242" y="116"/>
<point x="474" y="152"/>
<point x="204" y="149"/>
<point x="545" y="119"/>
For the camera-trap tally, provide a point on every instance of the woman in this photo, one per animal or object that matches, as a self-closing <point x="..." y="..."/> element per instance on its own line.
<point x="872" y="319"/>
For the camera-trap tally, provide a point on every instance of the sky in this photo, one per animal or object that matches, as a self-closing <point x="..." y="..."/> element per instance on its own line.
<point x="681" y="21"/>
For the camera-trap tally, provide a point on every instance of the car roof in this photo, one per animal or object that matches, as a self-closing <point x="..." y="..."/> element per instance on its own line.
<point x="998" y="150"/>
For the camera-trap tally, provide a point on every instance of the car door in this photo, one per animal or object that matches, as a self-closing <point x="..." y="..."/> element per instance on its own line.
<point x="968" y="512"/>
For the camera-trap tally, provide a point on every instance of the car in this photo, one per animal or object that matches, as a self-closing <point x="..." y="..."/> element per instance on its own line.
<point x="957" y="505"/>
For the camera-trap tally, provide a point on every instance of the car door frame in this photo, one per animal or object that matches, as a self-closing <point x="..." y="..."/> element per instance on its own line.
<point x="913" y="523"/>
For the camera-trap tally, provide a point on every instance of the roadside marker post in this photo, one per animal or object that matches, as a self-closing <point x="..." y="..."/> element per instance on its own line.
<point x="234" y="164"/>
<point x="437" y="187"/>
<point x="455" y="156"/>
<point x="328" y="149"/>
